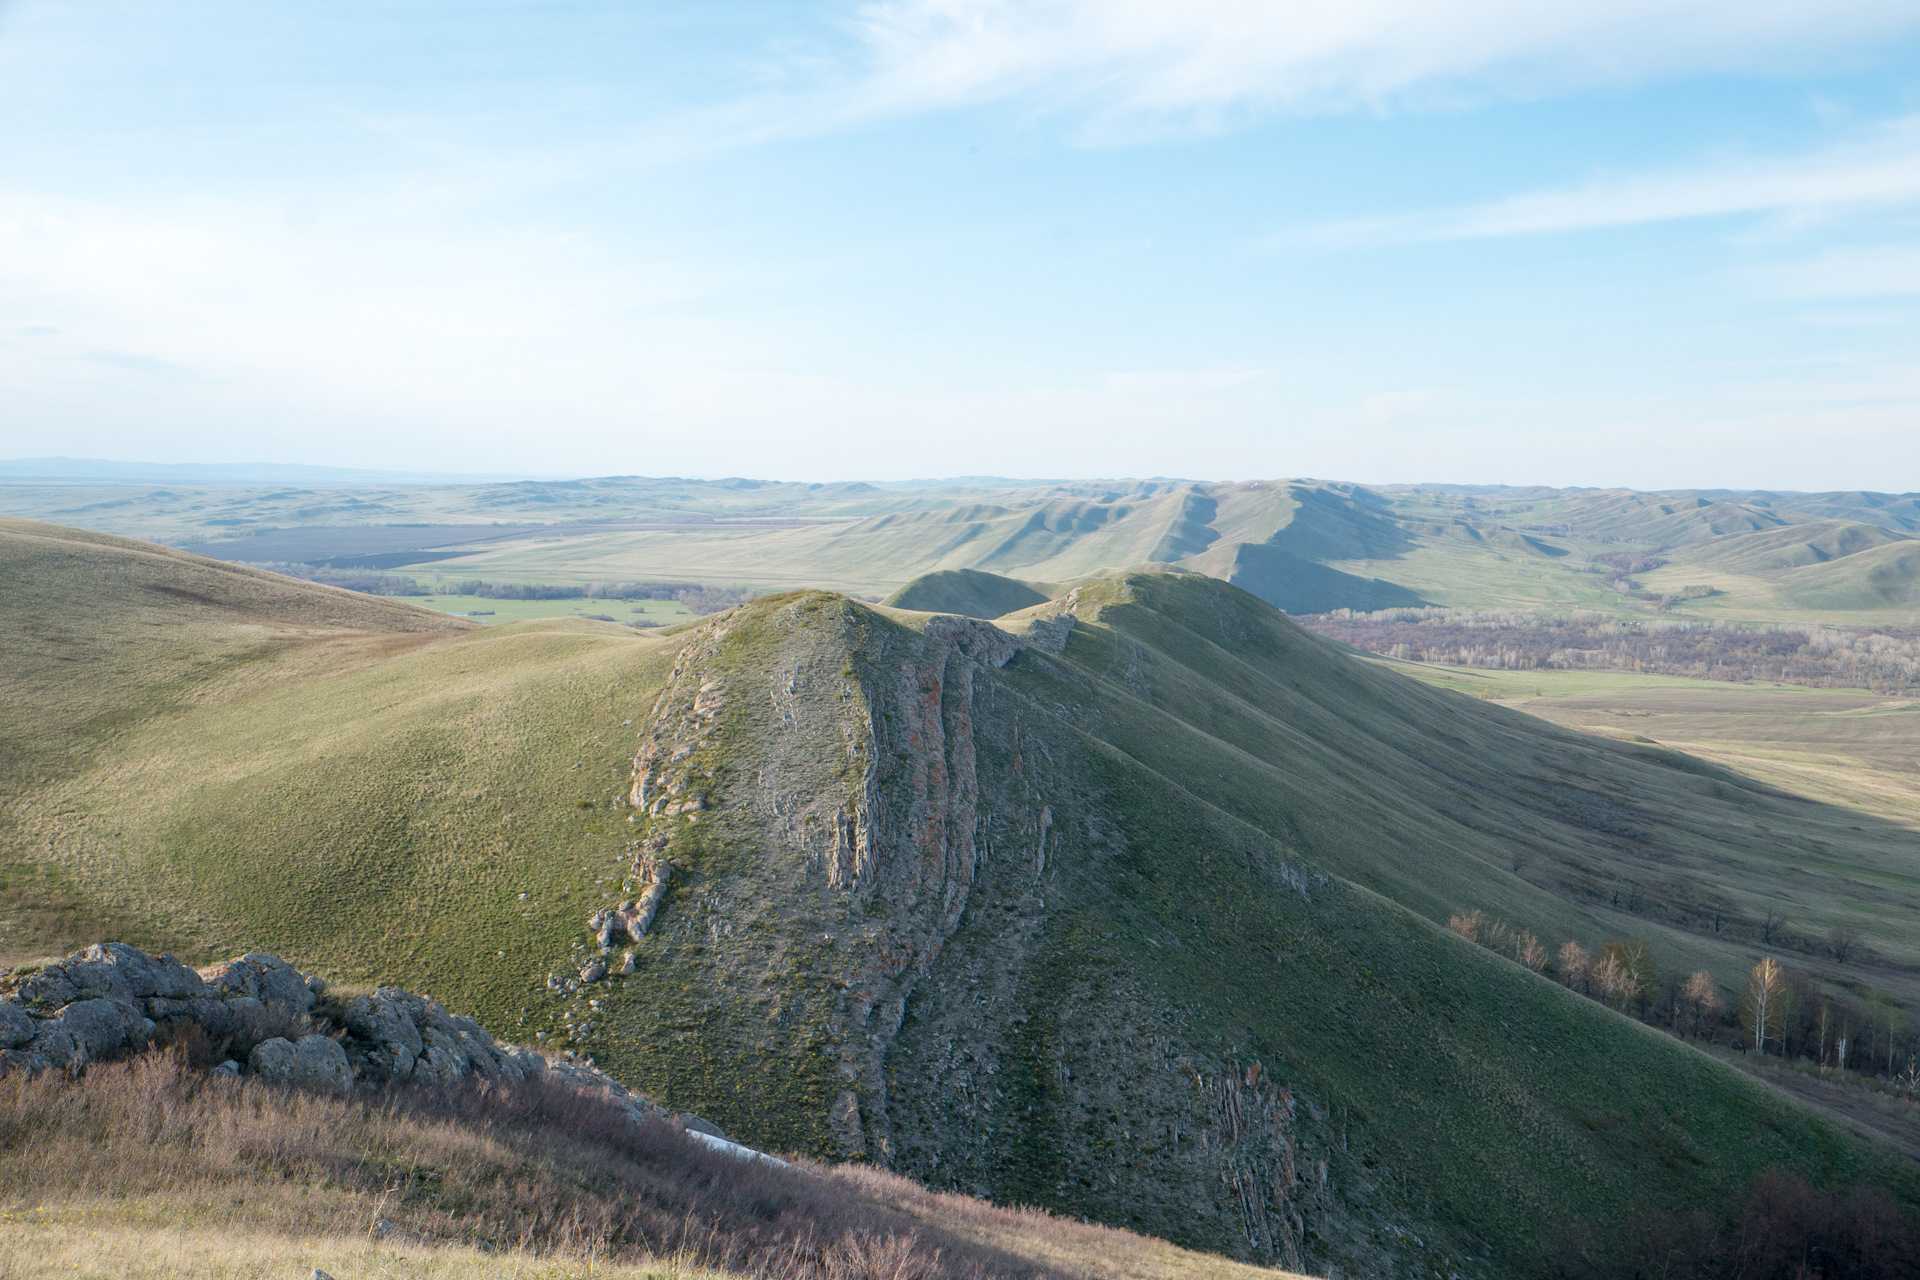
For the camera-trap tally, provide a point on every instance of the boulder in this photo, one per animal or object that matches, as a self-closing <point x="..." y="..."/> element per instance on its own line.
<point x="384" y="1025"/>
<point x="311" y="1062"/>
<point x="594" y="971"/>
<point x="90" y="1029"/>
<point x="16" y="1028"/>
<point x="266" y="978"/>
<point x="108" y="970"/>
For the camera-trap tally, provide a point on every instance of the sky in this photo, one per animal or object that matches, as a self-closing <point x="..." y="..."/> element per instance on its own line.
<point x="1657" y="244"/>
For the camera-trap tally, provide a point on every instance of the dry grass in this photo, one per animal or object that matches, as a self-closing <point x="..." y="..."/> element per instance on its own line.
<point x="103" y="1244"/>
<point x="150" y="1167"/>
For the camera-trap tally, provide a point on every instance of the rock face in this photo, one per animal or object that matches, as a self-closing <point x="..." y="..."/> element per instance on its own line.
<point x="112" y="999"/>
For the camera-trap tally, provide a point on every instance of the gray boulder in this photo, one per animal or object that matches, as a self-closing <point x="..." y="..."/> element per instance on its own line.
<point x="384" y="1025"/>
<point x="109" y="970"/>
<point x="90" y="1029"/>
<point x="269" y="979"/>
<point x="311" y="1062"/>
<point x="16" y="1028"/>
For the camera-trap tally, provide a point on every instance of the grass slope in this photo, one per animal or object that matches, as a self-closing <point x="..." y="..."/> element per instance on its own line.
<point x="966" y="591"/>
<point x="151" y="1169"/>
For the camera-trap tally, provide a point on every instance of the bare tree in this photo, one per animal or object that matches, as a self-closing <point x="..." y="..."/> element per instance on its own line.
<point x="1842" y="941"/>
<point x="1701" y="995"/>
<point x="1575" y="965"/>
<point x="1632" y="971"/>
<point x="1614" y="979"/>
<point x="1764" y="1008"/>
<point x="1528" y="951"/>
<point x="1772" y="926"/>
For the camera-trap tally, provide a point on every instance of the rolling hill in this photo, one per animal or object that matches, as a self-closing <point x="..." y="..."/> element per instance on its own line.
<point x="967" y="592"/>
<point x="1793" y="546"/>
<point x="1302" y="545"/>
<point x="1126" y="905"/>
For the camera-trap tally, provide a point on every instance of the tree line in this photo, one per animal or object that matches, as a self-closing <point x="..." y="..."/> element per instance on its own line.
<point x="1777" y="1012"/>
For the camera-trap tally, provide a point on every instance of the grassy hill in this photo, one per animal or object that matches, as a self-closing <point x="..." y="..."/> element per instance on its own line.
<point x="1126" y="907"/>
<point x="968" y="592"/>
<point x="1793" y="546"/>
<point x="1303" y="545"/>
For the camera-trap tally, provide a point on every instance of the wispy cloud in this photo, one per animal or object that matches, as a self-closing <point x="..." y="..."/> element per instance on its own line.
<point x="1207" y="62"/>
<point x="1880" y="170"/>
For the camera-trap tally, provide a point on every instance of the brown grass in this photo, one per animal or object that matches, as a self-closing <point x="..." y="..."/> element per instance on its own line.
<point x="539" y="1174"/>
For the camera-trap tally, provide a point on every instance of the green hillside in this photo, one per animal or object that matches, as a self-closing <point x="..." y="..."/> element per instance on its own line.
<point x="1793" y="546"/>
<point x="968" y="592"/>
<point x="1127" y="908"/>
<point x="1303" y="545"/>
<point x="1884" y="576"/>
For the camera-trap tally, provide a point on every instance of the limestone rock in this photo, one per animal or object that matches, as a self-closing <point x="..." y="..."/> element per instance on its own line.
<point x="90" y="1029"/>
<point x="105" y="1000"/>
<point x="386" y="1023"/>
<point x="109" y="970"/>
<point x="16" y="1028"/>
<point x="311" y="1062"/>
<point x="269" y="979"/>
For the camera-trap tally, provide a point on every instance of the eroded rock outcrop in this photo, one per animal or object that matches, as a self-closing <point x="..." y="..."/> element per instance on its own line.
<point x="112" y="1000"/>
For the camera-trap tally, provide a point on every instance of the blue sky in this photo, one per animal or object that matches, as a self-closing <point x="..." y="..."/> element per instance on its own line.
<point x="1656" y="244"/>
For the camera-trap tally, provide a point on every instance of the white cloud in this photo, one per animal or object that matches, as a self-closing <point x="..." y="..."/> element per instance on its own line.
<point x="1881" y="170"/>
<point x="1203" y="61"/>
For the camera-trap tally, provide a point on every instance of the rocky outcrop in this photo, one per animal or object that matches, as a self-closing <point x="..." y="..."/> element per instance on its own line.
<point x="630" y="921"/>
<point x="112" y="1000"/>
<point x="312" y="1062"/>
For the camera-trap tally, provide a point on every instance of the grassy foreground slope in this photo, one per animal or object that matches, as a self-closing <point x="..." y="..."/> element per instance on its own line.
<point x="1115" y="922"/>
<point x="150" y="1170"/>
